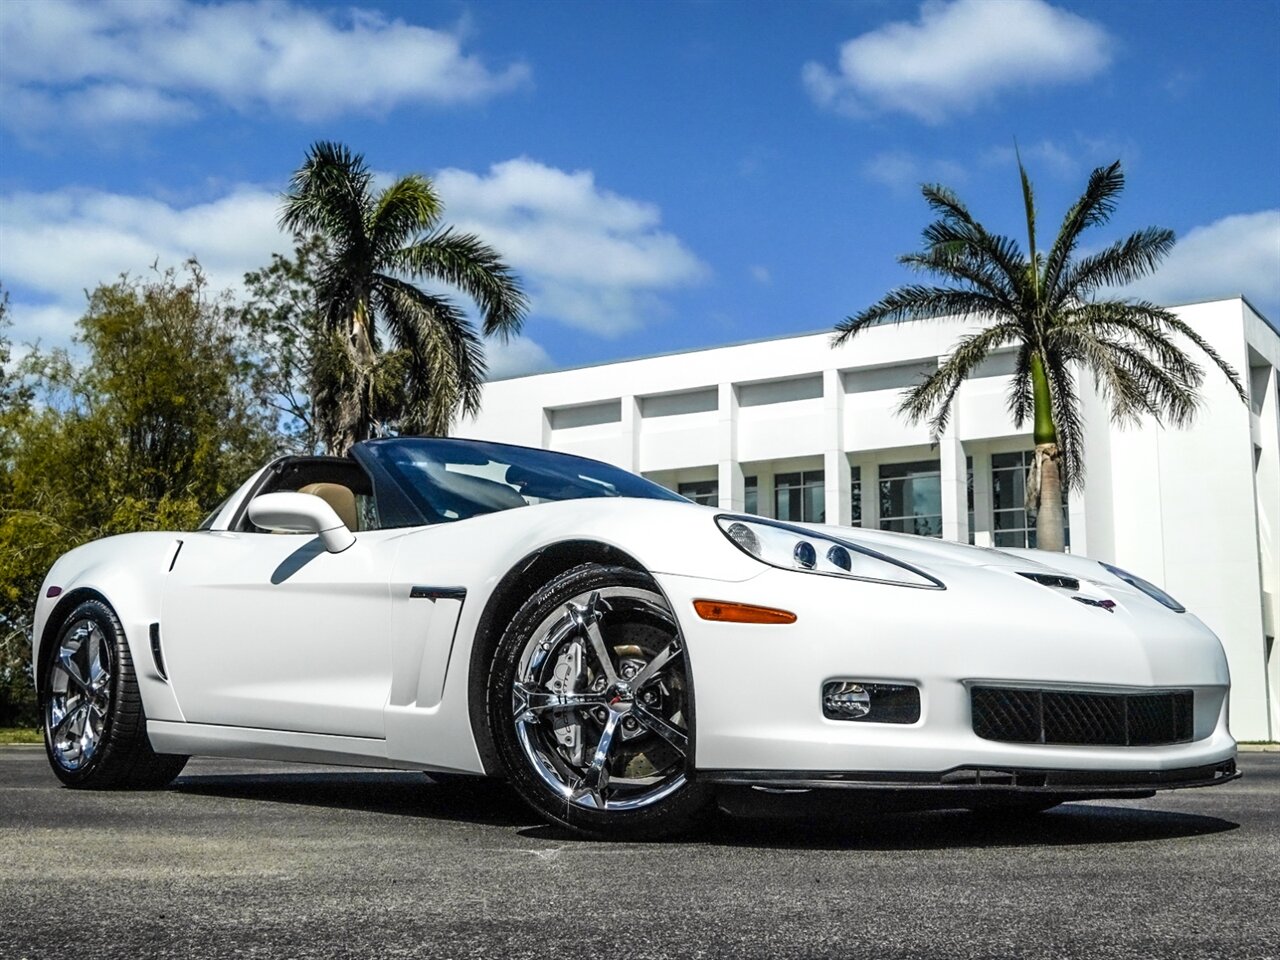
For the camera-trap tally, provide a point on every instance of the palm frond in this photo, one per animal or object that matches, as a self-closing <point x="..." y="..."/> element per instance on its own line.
<point x="990" y="261"/>
<point x="405" y="209"/>
<point x="978" y="274"/>
<point x="329" y="195"/>
<point x="934" y="396"/>
<point x="1029" y="206"/>
<point x="915" y="302"/>
<point x="446" y="358"/>
<point x="1179" y="326"/>
<point x="1133" y="382"/>
<point x="1066" y="418"/>
<point x="956" y="228"/>
<point x="1121" y="319"/>
<point x="1094" y="208"/>
<point x="1020" y="398"/>
<point x="466" y="262"/>
<point x="1122" y="262"/>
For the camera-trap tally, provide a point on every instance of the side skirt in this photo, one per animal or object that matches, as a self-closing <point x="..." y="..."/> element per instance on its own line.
<point x="249" y="743"/>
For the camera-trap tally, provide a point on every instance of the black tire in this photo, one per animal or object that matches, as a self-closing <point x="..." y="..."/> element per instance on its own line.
<point x="112" y="750"/>
<point x="641" y="788"/>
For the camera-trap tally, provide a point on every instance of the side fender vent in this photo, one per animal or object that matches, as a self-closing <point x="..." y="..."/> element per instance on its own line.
<point x="157" y="655"/>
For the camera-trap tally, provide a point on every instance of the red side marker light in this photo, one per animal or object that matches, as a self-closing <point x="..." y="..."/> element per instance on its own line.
<point x="725" y="612"/>
<point x="53" y="592"/>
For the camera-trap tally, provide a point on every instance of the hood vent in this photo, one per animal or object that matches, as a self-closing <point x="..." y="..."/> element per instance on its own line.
<point x="1053" y="580"/>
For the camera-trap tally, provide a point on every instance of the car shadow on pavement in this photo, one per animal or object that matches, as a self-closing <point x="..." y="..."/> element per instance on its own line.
<point x="1072" y="824"/>
<point x="465" y="800"/>
<point x="493" y="803"/>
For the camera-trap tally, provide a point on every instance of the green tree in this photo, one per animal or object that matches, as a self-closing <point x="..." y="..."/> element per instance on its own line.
<point x="146" y="423"/>
<point x="380" y="245"/>
<point x="1047" y="304"/>
<point x="284" y="330"/>
<point x="15" y="678"/>
<point x="9" y="388"/>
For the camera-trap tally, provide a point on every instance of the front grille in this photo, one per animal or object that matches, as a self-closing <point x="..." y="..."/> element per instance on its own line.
<point x="1016" y="715"/>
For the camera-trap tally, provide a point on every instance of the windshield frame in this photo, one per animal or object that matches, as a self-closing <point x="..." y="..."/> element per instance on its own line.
<point x="411" y="504"/>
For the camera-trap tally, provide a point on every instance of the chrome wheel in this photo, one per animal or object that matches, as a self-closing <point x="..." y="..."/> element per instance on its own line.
<point x="600" y="700"/>
<point x="79" y="694"/>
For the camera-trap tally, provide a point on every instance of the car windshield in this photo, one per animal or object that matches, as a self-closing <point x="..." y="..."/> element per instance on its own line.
<point x="455" y="479"/>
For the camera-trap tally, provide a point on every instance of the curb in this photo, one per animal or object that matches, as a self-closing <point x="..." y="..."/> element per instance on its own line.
<point x="1258" y="747"/>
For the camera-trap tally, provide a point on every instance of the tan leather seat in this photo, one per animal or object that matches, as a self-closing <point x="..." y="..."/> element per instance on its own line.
<point x="340" y="498"/>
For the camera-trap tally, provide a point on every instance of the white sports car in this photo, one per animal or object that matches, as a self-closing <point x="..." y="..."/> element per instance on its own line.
<point x="617" y="653"/>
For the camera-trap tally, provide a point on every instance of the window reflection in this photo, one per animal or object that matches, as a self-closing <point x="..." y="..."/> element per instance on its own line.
<point x="911" y="498"/>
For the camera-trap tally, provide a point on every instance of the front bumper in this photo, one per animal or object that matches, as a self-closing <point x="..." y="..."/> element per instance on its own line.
<point x="757" y="687"/>
<point x="973" y="782"/>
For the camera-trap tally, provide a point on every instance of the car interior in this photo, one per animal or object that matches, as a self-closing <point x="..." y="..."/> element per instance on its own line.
<point x="340" y="482"/>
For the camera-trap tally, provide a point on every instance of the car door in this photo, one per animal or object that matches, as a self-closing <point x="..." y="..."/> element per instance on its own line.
<point x="271" y="631"/>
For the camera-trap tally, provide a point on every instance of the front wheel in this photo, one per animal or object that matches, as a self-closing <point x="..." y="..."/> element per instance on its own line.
<point x="95" y="731"/>
<point x="591" y="706"/>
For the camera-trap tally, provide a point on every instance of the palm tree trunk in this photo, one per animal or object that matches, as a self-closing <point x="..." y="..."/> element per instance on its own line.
<point x="1049" y="530"/>
<point x="355" y="416"/>
<point x="1044" y="484"/>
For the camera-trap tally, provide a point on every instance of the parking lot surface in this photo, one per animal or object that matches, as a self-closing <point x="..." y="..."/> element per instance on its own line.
<point x="285" y="860"/>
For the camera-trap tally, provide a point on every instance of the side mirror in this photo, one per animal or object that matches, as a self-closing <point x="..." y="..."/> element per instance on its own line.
<point x="301" y="513"/>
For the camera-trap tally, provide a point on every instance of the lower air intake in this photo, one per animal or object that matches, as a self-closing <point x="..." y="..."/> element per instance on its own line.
<point x="1015" y="715"/>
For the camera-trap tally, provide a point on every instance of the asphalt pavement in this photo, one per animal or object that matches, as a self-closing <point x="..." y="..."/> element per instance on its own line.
<point x="286" y="860"/>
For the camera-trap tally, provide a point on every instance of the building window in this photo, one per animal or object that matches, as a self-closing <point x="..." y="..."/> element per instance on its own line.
<point x="705" y="492"/>
<point x="1013" y="528"/>
<point x="968" y="470"/>
<point x="800" y="497"/>
<point x="751" y="496"/>
<point x="911" y="498"/>
<point x="855" y="496"/>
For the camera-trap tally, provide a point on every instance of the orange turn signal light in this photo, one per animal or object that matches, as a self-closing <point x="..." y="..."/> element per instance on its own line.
<point x="724" y="612"/>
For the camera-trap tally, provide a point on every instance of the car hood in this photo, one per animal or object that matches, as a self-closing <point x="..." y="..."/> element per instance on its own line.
<point x="945" y="559"/>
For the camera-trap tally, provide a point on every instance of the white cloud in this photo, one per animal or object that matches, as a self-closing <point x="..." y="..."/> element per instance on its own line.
<point x="515" y="357"/>
<point x="595" y="260"/>
<point x="48" y="324"/>
<point x="58" y="245"/>
<point x="592" y="259"/>
<point x="958" y="55"/>
<point x="1065" y="161"/>
<point x="901" y="170"/>
<point x="95" y="64"/>
<point x="761" y="275"/>
<point x="1239" y="254"/>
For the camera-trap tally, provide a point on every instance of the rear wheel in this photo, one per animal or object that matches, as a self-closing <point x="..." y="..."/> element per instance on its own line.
<point x="95" y="731"/>
<point x="591" y="706"/>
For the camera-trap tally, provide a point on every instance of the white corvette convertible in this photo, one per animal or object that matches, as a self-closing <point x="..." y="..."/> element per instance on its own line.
<point x="614" y="651"/>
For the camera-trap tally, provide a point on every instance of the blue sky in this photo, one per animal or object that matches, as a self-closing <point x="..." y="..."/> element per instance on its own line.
<point x="664" y="175"/>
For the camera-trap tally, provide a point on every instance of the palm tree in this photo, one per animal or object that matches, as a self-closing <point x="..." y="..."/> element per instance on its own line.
<point x="1045" y="304"/>
<point x="379" y="246"/>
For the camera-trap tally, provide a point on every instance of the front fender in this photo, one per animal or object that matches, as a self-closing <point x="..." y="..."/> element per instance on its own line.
<point x="127" y="572"/>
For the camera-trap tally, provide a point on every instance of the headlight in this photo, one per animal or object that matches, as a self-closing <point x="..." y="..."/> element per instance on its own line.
<point x="1150" y="589"/>
<point x="791" y="548"/>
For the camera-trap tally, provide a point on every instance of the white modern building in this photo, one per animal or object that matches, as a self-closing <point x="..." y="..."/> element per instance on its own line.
<point x="794" y="429"/>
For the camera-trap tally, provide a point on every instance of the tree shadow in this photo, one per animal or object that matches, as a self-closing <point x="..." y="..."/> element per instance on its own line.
<point x="400" y="793"/>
